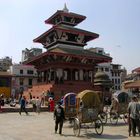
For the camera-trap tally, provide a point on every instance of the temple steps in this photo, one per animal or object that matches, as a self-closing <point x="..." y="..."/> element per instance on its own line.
<point x="59" y="90"/>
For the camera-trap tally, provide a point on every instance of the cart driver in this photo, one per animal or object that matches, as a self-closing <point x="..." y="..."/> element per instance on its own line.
<point x="114" y="105"/>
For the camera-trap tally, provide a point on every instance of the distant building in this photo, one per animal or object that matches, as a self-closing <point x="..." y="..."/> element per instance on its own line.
<point x="132" y="82"/>
<point x="5" y="63"/>
<point x="5" y="83"/>
<point x="99" y="51"/>
<point x="27" y="54"/>
<point x="136" y="73"/>
<point x="123" y="74"/>
<point x="114" y="71"/>
<point x="23" y="77"/>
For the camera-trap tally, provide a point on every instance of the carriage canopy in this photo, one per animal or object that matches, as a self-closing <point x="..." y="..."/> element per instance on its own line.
<point x="69" y="99"/>
<point x="89" y="98"/>
<point x="123" y="97"/>
<point x="69" y="103"/>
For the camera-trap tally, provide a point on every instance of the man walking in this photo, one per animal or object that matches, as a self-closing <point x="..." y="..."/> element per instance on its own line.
<point x="23" y="105"/>
<point x="134" y="113"/>
<point x="33" y="101"/>
<point x="38" y="105"/>
<point x="59" y="117"/>
<point x="114" y="105"/>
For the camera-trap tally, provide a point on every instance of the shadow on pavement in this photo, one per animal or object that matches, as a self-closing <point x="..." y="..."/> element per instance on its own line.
<point x="106" y="136"/>
<point x="67" y="135"/>
<point x="116" y="125"/>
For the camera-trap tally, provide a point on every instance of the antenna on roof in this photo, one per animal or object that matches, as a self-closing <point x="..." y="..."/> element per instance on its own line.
<point x="65" y="9"/>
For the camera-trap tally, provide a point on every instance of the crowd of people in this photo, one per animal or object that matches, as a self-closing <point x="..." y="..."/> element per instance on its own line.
<point x="46" y="99"/>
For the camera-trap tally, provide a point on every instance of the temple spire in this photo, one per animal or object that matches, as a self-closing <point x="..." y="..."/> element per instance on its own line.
<point x="65" y="9"/>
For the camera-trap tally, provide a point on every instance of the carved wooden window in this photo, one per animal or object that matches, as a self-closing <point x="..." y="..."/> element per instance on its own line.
<point x="72" y="37"/>
<point x="67" y="19"/>
<point x="30" y="81"/>
<point x="21" y="81"/>
<point x="51" y="38"/>
<point x="58" y="19"/>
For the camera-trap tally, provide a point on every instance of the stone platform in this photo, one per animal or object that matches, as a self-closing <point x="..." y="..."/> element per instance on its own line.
<point x="8" y="108"/>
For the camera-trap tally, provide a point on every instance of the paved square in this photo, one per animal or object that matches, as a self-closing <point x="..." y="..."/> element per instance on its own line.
<point x="41" y="127"/>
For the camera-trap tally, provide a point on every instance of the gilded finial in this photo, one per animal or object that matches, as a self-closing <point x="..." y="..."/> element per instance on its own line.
<point x="65" y="9"/>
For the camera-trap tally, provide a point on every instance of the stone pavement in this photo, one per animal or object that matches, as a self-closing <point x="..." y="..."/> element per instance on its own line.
<point x="41" y="127"/>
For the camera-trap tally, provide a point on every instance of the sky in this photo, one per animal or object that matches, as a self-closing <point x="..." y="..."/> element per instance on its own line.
<point x="116" y="21"/>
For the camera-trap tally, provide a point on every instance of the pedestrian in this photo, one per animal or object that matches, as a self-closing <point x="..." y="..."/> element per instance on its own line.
<point x="30" y="95"/>
<point x="23" y="105"/>
<point x="134" y="116"/>
<point x="114" y="105"/>
<point x="59" y="117"/>
<point x="38" y="105"/>
<point x="51" y="104"/>
<point x="43" y="98"/>
<point x="62" y="100"/>
<point x="0" y="103"/>
<point x="48" y="93"/>
<point x="33" y="102"/>
<point x="2" y="99"/>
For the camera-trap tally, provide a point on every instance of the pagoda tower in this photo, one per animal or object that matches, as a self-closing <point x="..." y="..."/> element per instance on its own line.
<point x="66" y="66"/>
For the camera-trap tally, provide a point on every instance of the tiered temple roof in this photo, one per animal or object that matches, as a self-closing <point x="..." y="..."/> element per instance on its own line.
<point x="64" y="39"/>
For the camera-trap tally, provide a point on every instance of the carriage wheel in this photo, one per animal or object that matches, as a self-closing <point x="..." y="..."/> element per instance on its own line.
<point x="114" y="118"/>
<point x="125" y="118"/>
<point x="76" y="127"/>
<point x="103" y="117"/>
<point x="99" y="126"/>
<point x="71" y="122"/>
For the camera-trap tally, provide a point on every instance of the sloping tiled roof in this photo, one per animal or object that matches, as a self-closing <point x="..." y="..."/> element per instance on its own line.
<point x="64" y="27"/>
<point x="134" y="84"/>
<point x="136" y="70"/>
<point x="59" y="12"/>
<point x="42" y="37"/>
<point x="2" y="73"/>
<point x="82" y="52"/>
<point x="75" y="52"/>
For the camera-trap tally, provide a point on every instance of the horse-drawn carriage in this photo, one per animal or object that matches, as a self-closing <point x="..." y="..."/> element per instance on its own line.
<point x="87" y="110"/>
<point x="119" y="109"/>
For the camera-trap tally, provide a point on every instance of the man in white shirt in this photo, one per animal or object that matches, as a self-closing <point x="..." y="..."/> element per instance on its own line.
<point x="134" y="114"/>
